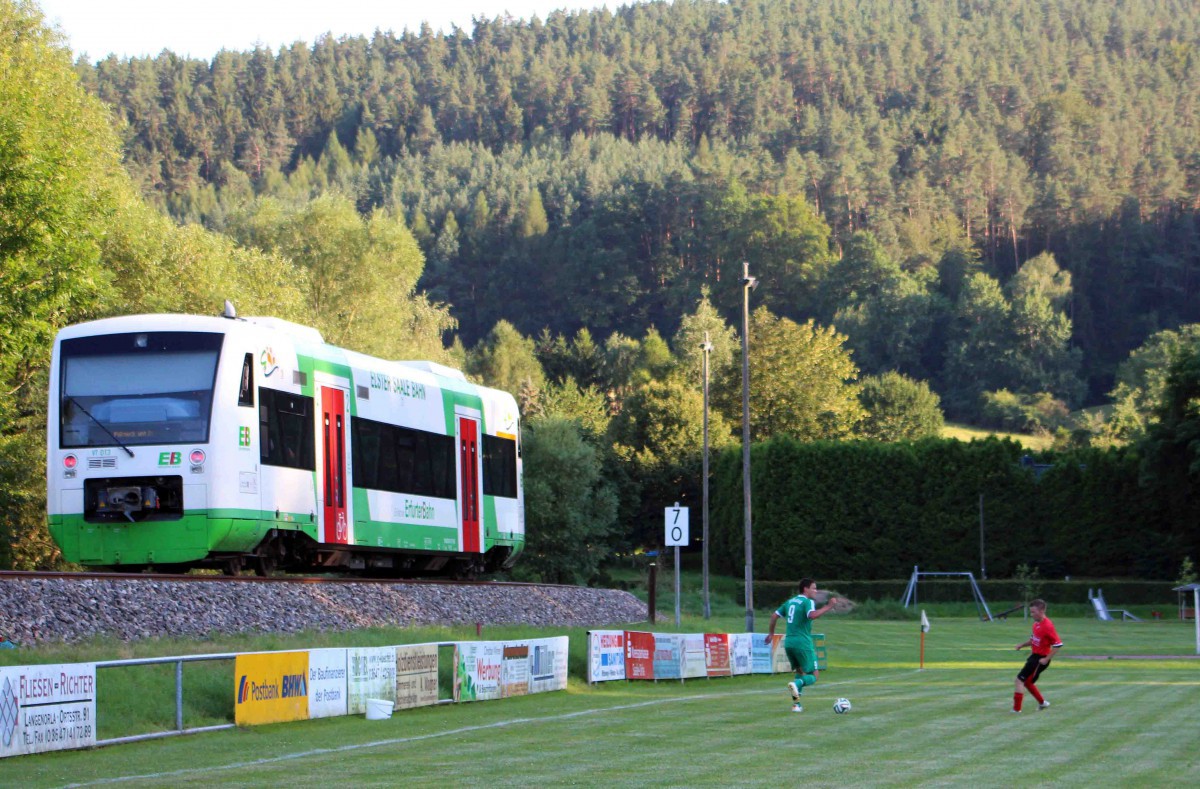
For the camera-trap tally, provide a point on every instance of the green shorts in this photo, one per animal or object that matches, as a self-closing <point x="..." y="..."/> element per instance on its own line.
<point x="803" y="657"/>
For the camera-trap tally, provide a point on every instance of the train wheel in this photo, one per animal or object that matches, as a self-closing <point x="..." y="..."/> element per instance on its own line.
<point x="232" y="566"/>
<point x="264" y="566"/>
<point x="465" y="570"/>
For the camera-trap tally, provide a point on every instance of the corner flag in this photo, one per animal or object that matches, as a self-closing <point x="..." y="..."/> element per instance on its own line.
<point x="924" y="630"/>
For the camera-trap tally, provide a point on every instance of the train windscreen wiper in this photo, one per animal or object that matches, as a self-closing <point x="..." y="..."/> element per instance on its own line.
<point x="101" y="424"/>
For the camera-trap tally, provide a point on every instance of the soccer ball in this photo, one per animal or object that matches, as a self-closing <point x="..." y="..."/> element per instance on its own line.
<point x="841" y="706"/>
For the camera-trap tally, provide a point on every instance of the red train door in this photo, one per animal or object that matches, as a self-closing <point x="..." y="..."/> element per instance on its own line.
<point x="468" y="460"/>
<point x="333" y="443"/>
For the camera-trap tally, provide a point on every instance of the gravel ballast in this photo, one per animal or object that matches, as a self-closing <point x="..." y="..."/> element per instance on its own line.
<point x="40" y="610"/>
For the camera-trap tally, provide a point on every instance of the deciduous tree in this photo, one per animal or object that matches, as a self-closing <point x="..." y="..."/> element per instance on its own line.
<point x="802" y="381"/>
<point x="570" y="509"/>
<point x="899" y="409"/>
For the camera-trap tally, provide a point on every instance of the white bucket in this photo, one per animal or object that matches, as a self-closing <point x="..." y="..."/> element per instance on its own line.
<point x="379" y="709"/>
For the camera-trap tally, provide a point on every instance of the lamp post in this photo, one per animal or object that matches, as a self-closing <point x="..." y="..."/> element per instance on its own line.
<point x="706" y="347"/>
<point x="748" y="284"/>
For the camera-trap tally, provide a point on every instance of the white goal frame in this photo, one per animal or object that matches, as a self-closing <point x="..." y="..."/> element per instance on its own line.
<point x="910" y="594"/>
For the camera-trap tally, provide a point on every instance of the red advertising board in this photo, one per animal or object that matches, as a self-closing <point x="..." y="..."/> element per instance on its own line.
<point x="639" y="655"/>
<point x="716" y="655"/>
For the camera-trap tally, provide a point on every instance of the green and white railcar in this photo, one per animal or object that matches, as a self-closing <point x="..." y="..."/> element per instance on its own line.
<point x="179" y="441"/>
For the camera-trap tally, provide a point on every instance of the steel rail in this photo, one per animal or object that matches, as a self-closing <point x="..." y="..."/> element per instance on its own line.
<point x="34" y="575"/>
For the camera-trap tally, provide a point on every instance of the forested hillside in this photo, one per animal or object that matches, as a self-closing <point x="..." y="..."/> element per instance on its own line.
<point x="890" y="168"/>
<point x="982" y="210"/>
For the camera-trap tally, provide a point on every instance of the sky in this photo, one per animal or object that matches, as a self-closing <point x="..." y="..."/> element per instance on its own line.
<point x="135" y="28"/>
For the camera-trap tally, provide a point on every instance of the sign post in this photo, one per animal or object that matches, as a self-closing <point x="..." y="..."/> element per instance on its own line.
<point x="676" y="522"/>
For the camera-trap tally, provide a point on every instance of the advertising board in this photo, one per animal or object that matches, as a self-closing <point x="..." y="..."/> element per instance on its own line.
<point x="548" y="664"/>
<point x="779" y="661"/>
<point x="270" y="687"/>
<point x="760" y="653"/>
<point x="416" y="676"/>
<point x="477" y="670"/>
<point x="47" y="708"/>
<point x="668" y="656"/>
<point x="371" y="675"/>
<point x="514" y="670"/>
<point x="740" y="650"/>
<point x="327" y="676"/>
<point x="606" y="655"/>
<point x="716" y="655"/>
<point x="692" y="663"/>
<point x="639" y="655"/>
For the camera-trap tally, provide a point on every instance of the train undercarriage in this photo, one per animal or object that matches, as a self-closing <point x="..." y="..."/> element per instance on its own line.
<point x="296" y="552"/>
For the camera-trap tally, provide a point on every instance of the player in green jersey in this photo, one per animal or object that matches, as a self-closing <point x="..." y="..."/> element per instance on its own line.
<point x="799" y="612"/>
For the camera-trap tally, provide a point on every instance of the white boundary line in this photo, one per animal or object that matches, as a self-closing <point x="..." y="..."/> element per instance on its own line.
<point x="449" y="733"/>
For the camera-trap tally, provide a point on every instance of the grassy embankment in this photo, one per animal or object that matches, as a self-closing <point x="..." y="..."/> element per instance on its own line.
<point x="968" y="433"/>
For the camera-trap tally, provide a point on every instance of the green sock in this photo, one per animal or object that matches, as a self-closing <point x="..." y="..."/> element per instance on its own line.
<point x="808" y="679"/>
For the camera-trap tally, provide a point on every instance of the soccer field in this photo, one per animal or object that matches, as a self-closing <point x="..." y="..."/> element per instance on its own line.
<point x="1113" y="722"/>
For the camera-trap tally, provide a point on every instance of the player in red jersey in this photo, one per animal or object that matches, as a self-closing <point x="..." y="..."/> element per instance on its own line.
<point x="1044" y="644"/>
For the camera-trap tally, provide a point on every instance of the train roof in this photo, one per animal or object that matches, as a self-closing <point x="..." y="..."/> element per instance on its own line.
<point x="150" y="322"/>
<point x="306" y="337"/>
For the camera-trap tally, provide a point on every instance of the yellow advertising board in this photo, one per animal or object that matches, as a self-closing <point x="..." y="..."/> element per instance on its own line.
<point x="271" y="687"/>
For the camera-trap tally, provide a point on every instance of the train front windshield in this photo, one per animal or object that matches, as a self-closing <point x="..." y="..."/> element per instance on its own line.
<point x="138" y="388"/>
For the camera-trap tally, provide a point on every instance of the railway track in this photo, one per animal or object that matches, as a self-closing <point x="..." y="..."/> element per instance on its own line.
<point x="75" y="606"/>
<point x="270" y="579"/>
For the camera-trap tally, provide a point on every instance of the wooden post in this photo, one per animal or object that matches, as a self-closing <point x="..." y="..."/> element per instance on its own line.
<point x="652" y="589"/>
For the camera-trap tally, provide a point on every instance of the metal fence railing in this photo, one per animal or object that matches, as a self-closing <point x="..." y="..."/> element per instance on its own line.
<point x="178" y="661"/>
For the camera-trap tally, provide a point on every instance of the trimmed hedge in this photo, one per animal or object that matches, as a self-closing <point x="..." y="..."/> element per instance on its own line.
<point x="869" y="511"/>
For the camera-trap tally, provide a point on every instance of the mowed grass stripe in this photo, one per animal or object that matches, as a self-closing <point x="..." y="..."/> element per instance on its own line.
<point x="1101" y="725"/>
<point x="892" y="723"/>
<point x="1123" y="725"/>
<point x="936" y="728"/>
<point x="576" y="743"/>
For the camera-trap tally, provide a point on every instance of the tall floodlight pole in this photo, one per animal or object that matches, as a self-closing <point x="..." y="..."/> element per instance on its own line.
<point x="748" y="284"/>
<point x="706" y="348"/>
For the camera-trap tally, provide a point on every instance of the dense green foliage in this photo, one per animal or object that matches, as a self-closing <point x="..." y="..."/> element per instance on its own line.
<point x="77" y="242"/>
<point x="60" y="178"/>
<point x="623" y="161"/>
<point x="980" y="205"/>
<point x="862" y="510"/>
<point x="358" y="274"/>
<point x="570" y="507"/>
<point x="802" y="383"/>
<point x="898" y="408"/>
<point x="872" y="510"/>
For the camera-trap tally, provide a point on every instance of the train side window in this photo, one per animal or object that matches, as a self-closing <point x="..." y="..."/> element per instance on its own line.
<point x="287" y="436"/>
<point x="499" y="466"/>
<point x="246" y="388"/>
<point x="402" y="460"/>
<point x="433" y="464"/>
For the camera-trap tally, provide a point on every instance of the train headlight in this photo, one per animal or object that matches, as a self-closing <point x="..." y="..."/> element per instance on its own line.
<point x="196" y="458"/>
<point x="69" y="464"/>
